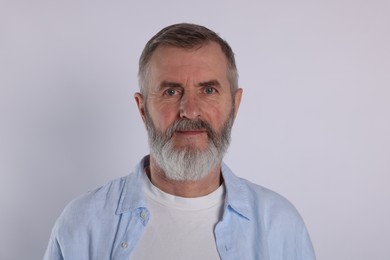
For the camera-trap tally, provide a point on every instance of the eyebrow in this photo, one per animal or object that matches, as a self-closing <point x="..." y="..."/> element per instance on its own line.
<point x="168" y="84"/>
<point x="209" y="83"/>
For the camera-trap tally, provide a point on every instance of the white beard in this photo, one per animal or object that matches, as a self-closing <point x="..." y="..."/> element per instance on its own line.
<point x="188" y="163"/>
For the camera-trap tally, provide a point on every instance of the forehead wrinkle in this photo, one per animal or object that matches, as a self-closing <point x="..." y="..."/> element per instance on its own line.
<point x="170" y="84"/>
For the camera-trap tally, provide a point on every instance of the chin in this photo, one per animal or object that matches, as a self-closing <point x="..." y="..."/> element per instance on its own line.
<point x="193" y="146"/>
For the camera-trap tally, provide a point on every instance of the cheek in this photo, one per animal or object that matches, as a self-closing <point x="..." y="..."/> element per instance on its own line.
<point x="217" y="115"/>
<point x="163" y="116"/>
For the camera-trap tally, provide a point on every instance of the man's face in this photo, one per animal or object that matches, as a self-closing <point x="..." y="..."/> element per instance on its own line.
<point x="187" y="87"/>
<point x="190" y="84"/>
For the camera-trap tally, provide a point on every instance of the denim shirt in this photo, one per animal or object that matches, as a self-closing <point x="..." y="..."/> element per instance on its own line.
<point x="107" y="223"/>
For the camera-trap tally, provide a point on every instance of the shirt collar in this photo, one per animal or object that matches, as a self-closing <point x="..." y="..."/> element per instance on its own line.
<point x="236" y="192"/>
<point x="133" y="197"/>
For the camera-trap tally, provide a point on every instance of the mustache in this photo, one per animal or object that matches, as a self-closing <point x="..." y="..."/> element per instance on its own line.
<point x="189" y="125"/>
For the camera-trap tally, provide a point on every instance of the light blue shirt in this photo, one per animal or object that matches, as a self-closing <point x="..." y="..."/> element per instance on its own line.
<point x="107" y="223"/>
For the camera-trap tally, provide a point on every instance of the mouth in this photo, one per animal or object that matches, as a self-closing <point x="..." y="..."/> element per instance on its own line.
<point x="191" y="132"/>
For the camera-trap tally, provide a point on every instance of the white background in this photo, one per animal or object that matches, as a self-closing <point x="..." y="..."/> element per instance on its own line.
<point x="313" y="125"/>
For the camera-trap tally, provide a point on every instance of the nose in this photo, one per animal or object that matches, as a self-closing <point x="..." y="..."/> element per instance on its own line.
<point x="189" y="106"/>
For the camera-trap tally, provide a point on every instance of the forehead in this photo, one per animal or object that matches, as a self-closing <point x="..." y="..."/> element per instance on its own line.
<point x="202" y="62"/>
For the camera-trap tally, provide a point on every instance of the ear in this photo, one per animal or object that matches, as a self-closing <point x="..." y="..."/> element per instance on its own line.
<point x="141" y="102"/>
<point x="237" y="100"/>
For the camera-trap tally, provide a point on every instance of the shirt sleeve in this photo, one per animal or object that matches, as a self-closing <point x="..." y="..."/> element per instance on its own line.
<point x="53" y="250"/>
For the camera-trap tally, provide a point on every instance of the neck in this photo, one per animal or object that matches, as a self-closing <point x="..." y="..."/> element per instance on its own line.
<point x="187" y="189"/>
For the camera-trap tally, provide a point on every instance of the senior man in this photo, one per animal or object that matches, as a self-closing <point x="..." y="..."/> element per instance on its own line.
<point x="182" y="201"/>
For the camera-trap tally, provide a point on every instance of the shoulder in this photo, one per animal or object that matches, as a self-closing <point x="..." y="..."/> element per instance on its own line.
<point x="286" y="231"/>
<point x="97" y="198"/>
<point x="102" y="201"/>
<point x="106" y="203"/>
<point x="268" y="216"/>
<point x="258" y="201"/>
<point x="269" y="201"/>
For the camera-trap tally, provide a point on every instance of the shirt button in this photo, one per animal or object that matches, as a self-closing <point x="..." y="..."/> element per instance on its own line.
<point x="143" y="214"/>
<point x="124" y="245"/>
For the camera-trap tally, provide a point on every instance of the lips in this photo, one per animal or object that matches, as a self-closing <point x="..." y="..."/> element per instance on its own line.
<point x="191" y="132"/>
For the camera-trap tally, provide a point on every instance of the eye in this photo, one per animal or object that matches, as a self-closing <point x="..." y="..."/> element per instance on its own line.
<point x="209" y="90"/>
<point x="171" y="92"/>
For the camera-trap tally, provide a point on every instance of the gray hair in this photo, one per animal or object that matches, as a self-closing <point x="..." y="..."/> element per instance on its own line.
<point x="186" y="36"/>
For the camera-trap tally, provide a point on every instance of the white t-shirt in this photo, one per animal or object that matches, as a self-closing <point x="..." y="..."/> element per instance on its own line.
<point x="179" y="228"/>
